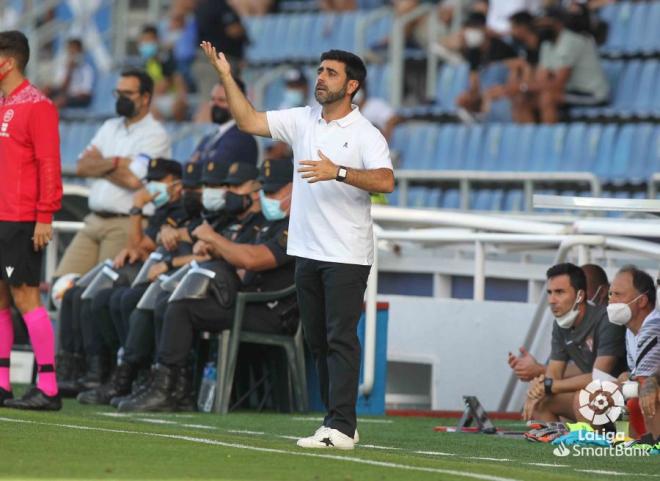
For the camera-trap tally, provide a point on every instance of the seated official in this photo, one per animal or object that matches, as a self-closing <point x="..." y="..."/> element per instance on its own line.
<point x="633" y="305"/>
<point x="582" y="334"/>
<point x="145" y="325"/>
<point x="78" y="317"/>
<point x="525" y="365"/>
<point x="259" y="266"/>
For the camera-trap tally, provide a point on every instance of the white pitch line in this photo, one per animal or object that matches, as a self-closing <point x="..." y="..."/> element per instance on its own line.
<point x="615" y="473"/>
<point x="242" y="431"/>
<point x="500" y="460"/>
<point x="548" y="465"/>
<point x="198" y="426"/>
<point x="434" y="453"/>
<point x="156" y="421"/>
<point x="213" y="442"/>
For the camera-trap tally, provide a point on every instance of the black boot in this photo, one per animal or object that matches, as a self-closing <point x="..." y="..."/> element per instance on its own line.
<point x="158" y="398"/>
<point x="69" y="368"/>
<point x="141" y="384"/>
<point x="183" y="389"/>
<point x="119" y="385"/>
<point x="4" y="395"/>
<point x="37" y="400"/>
<point x="98" y="369"/>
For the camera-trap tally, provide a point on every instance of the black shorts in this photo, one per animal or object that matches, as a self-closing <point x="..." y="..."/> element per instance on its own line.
<point x="19" y="263"/>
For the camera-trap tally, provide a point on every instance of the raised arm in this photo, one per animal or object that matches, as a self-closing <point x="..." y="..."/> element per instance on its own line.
<point x="246" y="117"/>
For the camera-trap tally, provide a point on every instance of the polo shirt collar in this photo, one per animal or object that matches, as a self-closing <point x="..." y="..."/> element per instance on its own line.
<point x="344" y="121"/>
<point x="22" y="86"/>
<point x="145" y="120"/>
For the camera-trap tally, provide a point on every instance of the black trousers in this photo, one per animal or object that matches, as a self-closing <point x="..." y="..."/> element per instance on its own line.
<point x="77" y="334"/>
<point x="330" y="298"/>
<point x="144" y="331"/>
<point x="183" y="318"/>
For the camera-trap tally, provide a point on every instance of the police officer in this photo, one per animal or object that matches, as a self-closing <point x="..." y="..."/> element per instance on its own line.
<point x="243" y="206"/>
<point x="261" y="265"/>
<point x="99" y="335"/>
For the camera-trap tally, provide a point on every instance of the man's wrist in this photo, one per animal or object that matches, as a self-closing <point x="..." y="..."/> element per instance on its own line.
<point x="135" y="210"/>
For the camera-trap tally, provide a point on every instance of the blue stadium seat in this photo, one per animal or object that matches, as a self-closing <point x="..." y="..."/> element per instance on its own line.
<point x="649" y="81"/>
<point x="619" y="17"/>
<point x="474" y="148"/>
<point x="491" y="148"/>
<point x="452" y="80"/>
<point x="103" y="102"/>
<point x="651" y="40"/>
<point x="451" y="199"/>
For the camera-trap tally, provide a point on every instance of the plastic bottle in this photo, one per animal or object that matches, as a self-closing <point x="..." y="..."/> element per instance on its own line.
<point x="207" y="388"/>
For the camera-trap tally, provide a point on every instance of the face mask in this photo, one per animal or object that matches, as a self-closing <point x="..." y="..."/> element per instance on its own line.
<point x="592" y="301"/>
<point x="213" y="198"/>
<point x="474" y="37"/>
<point x="125" y="107"/>
<point x="237" y="204"/>
<point x="220" y="115"/>
<point x="620" y="313"/>
<point x="567" y="320"/>
<point x="192" y="203"/>
<point x="4" y="74"/>
<point x="159" y="189"/>
<point x="148" y="50"/>
<point x="293" y="98"/>
<point x="547" y="34"/>
<point x="271" y="208"/>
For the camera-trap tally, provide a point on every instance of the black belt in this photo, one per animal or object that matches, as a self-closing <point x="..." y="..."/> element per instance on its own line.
<point x="108" y="215"/>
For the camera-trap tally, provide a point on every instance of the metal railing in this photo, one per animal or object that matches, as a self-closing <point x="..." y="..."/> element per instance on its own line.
<point x="465" y="179"/>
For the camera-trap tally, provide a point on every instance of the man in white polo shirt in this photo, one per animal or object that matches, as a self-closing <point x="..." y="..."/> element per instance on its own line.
<point x="341" y="158"/>
<point x="114" y="163"/>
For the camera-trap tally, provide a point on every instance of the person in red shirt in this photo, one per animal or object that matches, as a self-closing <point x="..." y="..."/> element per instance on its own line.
<point x="31" y="193"/>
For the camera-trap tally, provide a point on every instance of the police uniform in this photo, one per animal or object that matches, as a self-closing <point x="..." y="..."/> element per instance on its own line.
<point x="215" y="312"/>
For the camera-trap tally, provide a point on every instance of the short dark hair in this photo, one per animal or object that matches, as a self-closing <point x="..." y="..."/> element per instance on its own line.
<point x="146" y="82"/>
<point x="150" y="29"/>
<point x="355" y="69"/>
<point x="75" y="41"/>
<point x="576" y="275"/>
<point x="475" y="19"/>
<point x="595" y="273"/>
<point x="15" y="44"/>
<point x="642" y="282"/>
<point x="522" y="18"/>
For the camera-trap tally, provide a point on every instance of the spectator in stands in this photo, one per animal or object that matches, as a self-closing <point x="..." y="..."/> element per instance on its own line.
<point x="218" y="23"/>
<point x="569" y="72"/>
<point x="170" y="90"/>
<point x="179" y="34"/>
<point x="525" y="365"/>
<point x="480" y="47"/>
<point x="377" y="111"/>
<point x="581" y="333"/>
<point x="296" y="91"/>
<point x="632" y="304"/>
<point x="260" y="265"/>
<point x="74" y="78"/>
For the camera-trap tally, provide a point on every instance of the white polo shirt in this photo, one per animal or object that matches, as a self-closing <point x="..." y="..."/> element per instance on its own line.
<point x="148" y="136"/>
<point x="330" y="221"/>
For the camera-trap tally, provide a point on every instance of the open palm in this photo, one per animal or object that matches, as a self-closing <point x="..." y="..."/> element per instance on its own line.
<point x="218" y="60"/>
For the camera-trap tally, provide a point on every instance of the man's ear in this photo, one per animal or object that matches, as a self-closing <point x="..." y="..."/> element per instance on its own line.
<point x="353" y="86"/>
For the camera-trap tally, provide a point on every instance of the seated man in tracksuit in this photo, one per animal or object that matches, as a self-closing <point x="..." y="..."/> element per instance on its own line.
<point x="261" y="265"/>
<point x="243" y="206"/>
<point x="164" y="191"/>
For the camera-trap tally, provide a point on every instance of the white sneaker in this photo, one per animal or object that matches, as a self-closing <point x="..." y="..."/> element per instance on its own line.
<point x="356" y="438"/>
<point x="325" y="437"/>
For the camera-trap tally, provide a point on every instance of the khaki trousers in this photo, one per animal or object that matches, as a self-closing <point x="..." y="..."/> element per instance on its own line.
<point x="98" y="240"/>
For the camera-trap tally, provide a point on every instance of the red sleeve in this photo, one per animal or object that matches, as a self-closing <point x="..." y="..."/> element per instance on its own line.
<point x="44" y="130"/>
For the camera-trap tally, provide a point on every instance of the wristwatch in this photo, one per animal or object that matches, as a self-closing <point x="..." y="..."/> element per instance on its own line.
<point x="547" y="385"/>
<point x="135" y="211"/>
<point x="168" y="262"/>
<point x="342" y="172"/>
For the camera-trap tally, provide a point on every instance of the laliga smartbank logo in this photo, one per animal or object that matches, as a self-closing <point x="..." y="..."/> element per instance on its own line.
<point x="601" y="402"/>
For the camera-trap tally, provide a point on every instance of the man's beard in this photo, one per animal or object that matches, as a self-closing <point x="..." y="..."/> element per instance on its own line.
<point x="325" y="97"/>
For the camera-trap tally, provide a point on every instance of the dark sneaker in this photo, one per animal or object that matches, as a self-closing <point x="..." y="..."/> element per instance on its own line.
<point x="4" y="395"/>
<point x="35" y="399"/>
